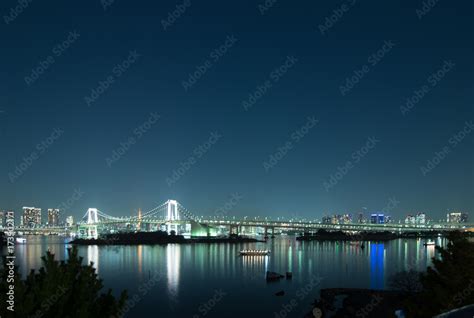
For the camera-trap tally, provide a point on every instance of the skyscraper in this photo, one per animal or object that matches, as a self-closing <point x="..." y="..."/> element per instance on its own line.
<point x="53" y="217"/>
<point x="327" y="219"/>
<point x="421" y="218"/>
<point x="453" y="217"/>
<point x="377" y="218"/>
<point x="31" y="217"/>
<point x="69" y="221"/>
<point x="410" y="219"/>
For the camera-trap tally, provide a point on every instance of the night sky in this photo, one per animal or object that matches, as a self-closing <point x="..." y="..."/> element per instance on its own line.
<point x="298" y="109"/>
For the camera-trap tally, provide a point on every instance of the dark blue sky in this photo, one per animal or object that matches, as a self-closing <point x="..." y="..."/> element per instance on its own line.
<point x="30" y="110"/>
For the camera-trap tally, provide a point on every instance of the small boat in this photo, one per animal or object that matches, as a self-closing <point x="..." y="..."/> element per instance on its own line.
<point x="254" y="252"/>
<point x="430" y="243"/>
<point x="280" y="293"/>
<point x="272" y="276"/>
<point x="289" y="275"/>
<point x="21" y="240"/>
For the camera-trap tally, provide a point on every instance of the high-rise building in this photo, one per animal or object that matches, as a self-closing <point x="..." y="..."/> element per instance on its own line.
<point x="373" y="218"/>
<point x="69" y="220"/>
<point x="361" y="218"/>
<point x="31" y="217"/>
<point x="377" y="218"/>
<point x="337" y="219"/>
<point x="410" y="219"/>
<point x="346" y="219"/>
<point x="464" y="217"/>
<point x="453" y="217"/>
<point x="420" y="218"/>
<point x="53" y="217"/>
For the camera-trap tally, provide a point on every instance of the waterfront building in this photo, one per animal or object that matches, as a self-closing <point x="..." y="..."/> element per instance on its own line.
<point x="31" y="217"/>
<point x="69" y="220"/>
<point x="377" y="218"/>
<point x="326" y="219"/>
<point x="410" y="219"/>
<point x="346" y="219"/>
<point x="53" y="217"/>
<point x="421" y="218"/>
<point x="454" y="217"/>
<point x="457" y="217"/>
<point x="337" y="219"/>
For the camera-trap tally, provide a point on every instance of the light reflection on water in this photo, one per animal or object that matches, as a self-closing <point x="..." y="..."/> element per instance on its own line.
<point x="172" y="269"/>
<point x="377" y="265"/>
<point x="195" y="271"/>
<point x="93" y="257"/>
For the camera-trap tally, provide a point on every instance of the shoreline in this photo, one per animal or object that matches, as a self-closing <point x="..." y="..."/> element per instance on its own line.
<point x="323" y="235"/>
<point x="158" y="238"/>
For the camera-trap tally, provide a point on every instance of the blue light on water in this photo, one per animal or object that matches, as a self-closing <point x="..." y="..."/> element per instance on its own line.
<point x="376" y="265"/>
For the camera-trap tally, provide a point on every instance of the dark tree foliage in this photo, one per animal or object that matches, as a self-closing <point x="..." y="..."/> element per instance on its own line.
<point x="60" y="289"/>
<point x="449" y="283"/>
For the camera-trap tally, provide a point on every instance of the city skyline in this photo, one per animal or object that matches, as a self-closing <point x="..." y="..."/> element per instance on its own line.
<point x="57" y="217"/>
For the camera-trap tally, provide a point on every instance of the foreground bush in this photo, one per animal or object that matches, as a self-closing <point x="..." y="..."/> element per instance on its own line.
<point x="449" y="283"/>
<point x="60" y="289"/>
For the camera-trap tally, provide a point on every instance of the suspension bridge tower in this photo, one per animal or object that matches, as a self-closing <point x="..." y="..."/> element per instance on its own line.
<point x="172" y="216"/>
<point x="139" y="224"/>
<point x="89" y="230"/>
